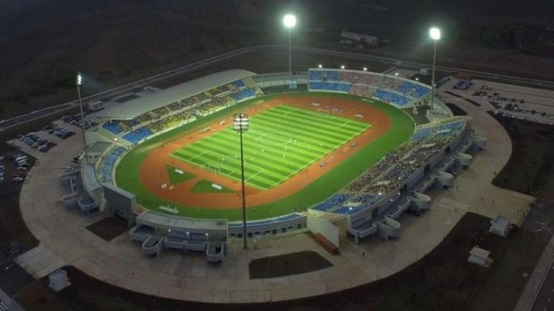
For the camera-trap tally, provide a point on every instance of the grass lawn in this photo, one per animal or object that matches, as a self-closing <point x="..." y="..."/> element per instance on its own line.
<point x="127" y="173"/>
<point x="177" y="175"/>
<point x="281" y="142"/>
<point x="207" y="186"/>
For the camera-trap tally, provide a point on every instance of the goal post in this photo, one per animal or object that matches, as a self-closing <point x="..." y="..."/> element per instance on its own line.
<point x="212" y="168"/>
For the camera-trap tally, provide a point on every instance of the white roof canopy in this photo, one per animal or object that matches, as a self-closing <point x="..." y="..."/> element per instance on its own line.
<point x="138" y="106"/>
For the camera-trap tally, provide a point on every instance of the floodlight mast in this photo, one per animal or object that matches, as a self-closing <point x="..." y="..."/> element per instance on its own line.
<point x="435" y="34"/>
<point x="289" y="21"/>
<point x="240" y="124"/>
<point x="78" y="82"/>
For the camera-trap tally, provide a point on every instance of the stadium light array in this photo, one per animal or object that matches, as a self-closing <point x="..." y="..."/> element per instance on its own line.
<point x="435" y="35"/>
<point x="240" y="124"/>
<point x="78" y="82"/>
<point x="289" y="21"/>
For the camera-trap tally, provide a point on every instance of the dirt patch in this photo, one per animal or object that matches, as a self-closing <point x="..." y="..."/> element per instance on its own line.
<point x="530" y="169"/>
<point x="505" y="282"/>
<point x="109" y="228"/>
<point x="474" y="103"/>
<point x="457" y="111"/>
<point x="287" y="264"/>
<point x="13" y="277"/>
<point x="153" y="173"/>
<point x="15" y="238"/>
<point x="453" y="94"/>
<point x="38" y="297"/>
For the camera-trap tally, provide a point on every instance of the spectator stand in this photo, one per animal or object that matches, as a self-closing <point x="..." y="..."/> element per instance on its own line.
<point x="393" y="98"/>
<point x="369" y="201"/>
<point x="280" y="81"/>
<point x="156" y="231"/>
<point x="109" y="160"/>
<point x="270" y="226"/>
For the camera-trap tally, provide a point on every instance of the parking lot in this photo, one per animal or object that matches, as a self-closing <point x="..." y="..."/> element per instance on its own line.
<point x="15" y="167"/>
<point x="40" y="141"/>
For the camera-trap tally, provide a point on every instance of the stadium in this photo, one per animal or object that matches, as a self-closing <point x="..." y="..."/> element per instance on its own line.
<point x="333" y="151"/>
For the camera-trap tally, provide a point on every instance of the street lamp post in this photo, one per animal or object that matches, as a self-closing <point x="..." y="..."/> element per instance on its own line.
<point x="289" y="21"/>
<point x="435" y="35"/>
<point x="240" y="124"/>
<point x="78" y="82"/>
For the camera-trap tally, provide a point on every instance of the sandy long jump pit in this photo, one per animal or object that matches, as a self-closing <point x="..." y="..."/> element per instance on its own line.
<point x="298" y="151"/>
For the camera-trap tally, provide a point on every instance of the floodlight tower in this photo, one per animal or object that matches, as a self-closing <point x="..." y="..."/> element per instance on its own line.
<point x="78" y="82"/>
<point x="435" y="34"/>
<point x="240" y="124"/>
<point x="289" y="21"/>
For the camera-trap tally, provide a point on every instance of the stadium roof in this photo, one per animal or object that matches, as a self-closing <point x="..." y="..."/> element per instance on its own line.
<point x="138" y="106"/>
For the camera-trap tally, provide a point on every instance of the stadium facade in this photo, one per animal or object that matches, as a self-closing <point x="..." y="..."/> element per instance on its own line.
<point x="370" y="205"/>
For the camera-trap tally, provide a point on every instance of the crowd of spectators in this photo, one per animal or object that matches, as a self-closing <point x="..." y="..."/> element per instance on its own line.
<point x="390" y="89"/>
<point x="364" y="90"/>
<point x="395" y="167"/>
<point x="171" y="121"/>
<point x="215" y="104"/>
<point x="161" y="118"/>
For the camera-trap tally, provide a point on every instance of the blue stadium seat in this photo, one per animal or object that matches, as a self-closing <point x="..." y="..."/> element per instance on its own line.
<point x="330" y="86"/>
<point x="111" y="158"/>
<point x="243" y="94"/>
<point x="392" y="98"/>
<point x="332" y="202"/>
<point x="137" y="135"/>
<point x="113" y="127"/>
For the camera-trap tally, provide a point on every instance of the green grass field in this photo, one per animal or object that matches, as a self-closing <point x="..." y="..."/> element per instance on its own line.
<point x="281" y="142"/>
<point x="128" y="170"/>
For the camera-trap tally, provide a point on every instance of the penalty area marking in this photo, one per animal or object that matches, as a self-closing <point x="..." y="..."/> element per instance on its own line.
<point x="224" y="170"/>
<point x="276" y="137"/>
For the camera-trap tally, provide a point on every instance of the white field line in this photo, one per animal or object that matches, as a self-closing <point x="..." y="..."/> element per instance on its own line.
<point x="263" y="169"/>
<point x="234" y="161"/>
<point x="322" y="155"/>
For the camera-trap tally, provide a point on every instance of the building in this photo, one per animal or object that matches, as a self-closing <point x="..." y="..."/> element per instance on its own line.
<point x="360" y="40"/>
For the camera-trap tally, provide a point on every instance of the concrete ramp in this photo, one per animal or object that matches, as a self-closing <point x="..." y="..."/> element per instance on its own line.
<point x="40" y="262"/>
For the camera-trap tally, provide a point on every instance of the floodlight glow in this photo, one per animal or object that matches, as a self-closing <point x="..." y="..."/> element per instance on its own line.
<point x="365" y="68"/>
<point x="320" y="66"/>
<point x="79" y="79"/>
<point x="417" y="79"/>
<point x="240" y="122"/>
<point x="341" y="66"/>
<point x="435" y="33"/>
<point x="289" y="21"/>
<point x="396" y="74"/>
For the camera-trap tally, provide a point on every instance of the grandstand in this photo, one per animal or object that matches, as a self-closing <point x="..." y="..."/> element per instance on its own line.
<point x="400" y="92"/>
<point x="400" y="171"/>
<point x="140" y="118"/>
<point x="370" y="203"/>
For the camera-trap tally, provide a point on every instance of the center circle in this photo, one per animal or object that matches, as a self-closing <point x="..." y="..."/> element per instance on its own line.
<point x="274" y="139"/>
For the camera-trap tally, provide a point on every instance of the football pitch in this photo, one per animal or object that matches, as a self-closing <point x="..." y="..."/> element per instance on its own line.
<point x="280" y="142"/>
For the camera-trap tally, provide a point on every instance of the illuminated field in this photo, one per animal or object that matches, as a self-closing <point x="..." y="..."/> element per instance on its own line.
<point x="282" y="141"/>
